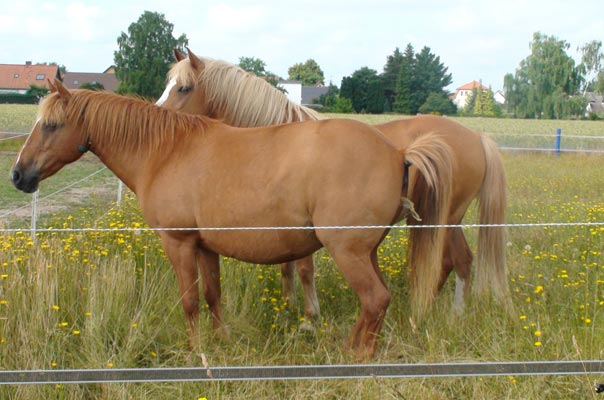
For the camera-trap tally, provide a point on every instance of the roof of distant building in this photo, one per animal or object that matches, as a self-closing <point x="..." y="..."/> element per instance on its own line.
<point x="20" y="77"/>
<point x="472" y="85"/>
<point x="73" y="80"/>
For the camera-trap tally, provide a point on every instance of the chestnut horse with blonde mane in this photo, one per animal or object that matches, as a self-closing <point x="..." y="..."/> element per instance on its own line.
<point x="196" y="177"/>
<point x="221" y="90"/>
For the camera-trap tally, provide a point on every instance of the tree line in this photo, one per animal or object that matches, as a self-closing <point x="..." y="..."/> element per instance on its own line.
<point x="547" y="84"/>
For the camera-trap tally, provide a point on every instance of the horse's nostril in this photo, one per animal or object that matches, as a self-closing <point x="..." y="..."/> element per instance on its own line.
<point x="15" y="176"/>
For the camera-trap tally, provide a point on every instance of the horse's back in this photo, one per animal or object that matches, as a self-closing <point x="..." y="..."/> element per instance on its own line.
<point x="345" y="162"/>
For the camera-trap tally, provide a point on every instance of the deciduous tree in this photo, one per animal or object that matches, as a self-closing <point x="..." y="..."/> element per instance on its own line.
<point x="309" y="73"/>
<point x="544" y="79"/>
<point x="592" y="65"/>
<point x="145" y="53"/>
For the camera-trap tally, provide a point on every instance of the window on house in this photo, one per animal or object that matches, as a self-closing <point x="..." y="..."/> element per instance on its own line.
<point x="76" y="82"/>
<point x="16" y="76"/>
<point x="40" y="77"/>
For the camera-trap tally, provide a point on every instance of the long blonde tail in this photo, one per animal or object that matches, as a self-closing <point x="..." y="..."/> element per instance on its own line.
<point x="430" y="191"/>
<point x="491" y="270"/>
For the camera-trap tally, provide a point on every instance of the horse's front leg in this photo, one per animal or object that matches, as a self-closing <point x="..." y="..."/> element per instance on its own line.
<point x="181" y="252"/>
<point x="287" y="282"/>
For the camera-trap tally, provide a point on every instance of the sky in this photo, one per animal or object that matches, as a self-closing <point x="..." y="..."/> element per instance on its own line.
<point x="476" y="40"/>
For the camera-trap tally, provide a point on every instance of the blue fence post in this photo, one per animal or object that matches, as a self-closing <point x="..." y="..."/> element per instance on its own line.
<point x="558" y="139"/>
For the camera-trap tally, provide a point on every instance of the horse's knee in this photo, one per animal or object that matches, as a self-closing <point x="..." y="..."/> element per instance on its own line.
<point x="190" y="306"/>
<point x="377" y="305"/>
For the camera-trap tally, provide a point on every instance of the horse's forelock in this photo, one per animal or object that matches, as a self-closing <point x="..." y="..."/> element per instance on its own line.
<point x="51" y="110"/>
<point x="183" y="73"/>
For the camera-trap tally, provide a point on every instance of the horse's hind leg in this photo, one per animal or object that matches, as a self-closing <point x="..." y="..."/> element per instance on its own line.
<point x="461" y="257"/>
<point x="360" y="273"/>
<point x="447" y="262"/>
<point x="306" y="271"/>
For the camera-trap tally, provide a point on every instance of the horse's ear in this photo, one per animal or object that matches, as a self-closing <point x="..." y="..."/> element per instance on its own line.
<point x="178" y="55"/>
<point x="52" y="87"/>
<point x="63" y="92"/>
<point x="195" y="61"/>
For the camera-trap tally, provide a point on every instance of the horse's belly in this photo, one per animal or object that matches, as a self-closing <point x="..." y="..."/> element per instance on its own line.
<point x="262" y="246"/>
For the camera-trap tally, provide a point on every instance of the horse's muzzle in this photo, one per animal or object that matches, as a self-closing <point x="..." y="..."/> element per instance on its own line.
<point x="26" y="182"/>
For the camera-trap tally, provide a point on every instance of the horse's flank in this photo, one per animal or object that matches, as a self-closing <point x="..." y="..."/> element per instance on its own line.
<point x="240" y="97"/>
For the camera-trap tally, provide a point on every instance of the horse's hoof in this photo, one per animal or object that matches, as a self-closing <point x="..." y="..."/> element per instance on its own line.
<point x="306" y="326"/>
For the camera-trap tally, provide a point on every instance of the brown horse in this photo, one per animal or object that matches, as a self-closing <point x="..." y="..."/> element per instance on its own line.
<point x="224" y="91"/>
<point x="191" y="172"/>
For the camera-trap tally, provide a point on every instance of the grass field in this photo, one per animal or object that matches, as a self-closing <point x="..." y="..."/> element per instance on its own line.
<point x="110" y="300"/>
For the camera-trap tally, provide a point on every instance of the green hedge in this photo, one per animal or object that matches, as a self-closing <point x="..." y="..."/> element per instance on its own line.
<point x="17" y="98"/>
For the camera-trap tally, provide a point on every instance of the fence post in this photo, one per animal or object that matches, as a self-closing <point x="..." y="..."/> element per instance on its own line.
<point x="120" y="189"/>
<point x="34" y="215"/>
<point x="558" y="140"/>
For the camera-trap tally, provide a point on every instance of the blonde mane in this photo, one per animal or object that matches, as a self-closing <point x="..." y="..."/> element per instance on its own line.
<point x="238" y="97"/>
<point x="119" y="121"/>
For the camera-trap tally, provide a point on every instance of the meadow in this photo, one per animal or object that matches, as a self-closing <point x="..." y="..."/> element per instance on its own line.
<point x="110" y="300"/>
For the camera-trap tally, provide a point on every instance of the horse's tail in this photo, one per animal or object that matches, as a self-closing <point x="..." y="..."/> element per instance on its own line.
<point x="491" y="267"/>
<point x="430" y="191"/>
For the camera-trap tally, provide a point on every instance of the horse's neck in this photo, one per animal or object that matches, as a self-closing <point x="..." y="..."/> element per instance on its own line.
<point x="126" y="165"/>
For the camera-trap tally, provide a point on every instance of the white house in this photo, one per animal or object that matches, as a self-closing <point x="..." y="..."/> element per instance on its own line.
<point x="304" y="95"/>
<point x="293" y="90"/>
<point x="463" y="92"/>
<point x="499" y="97"/>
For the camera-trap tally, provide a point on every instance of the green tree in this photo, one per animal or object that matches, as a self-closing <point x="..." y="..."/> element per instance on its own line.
<point x="144" y="55"/>
<point x="36" y="92"/>
<point x="328" y="99"/>
<point x="545" y="78"/>
<point x="430" y="77"/>
<point x="420" y="75"/>
<point x="342" y="105"/>
<point x="309" y="73"/>
<point x="254" y="65"/>
<point x="438" y="103"/>
<point x="482" y="103"/>
<point x="390" y="77"/>
<point x="92" y="86"/>
<point x="62" y="68"/>
<point x="364" y="90"/>
<point x="592" y="65"/>
<point x="258" y="67"/>
<point x="406" y="82"/>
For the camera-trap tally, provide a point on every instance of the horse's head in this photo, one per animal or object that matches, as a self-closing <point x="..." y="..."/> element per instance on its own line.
<point x="52" y="143"/>
<point x="183" y="93"/>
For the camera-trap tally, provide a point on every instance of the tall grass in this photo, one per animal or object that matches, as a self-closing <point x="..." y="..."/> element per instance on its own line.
<point x="109" y="300"/>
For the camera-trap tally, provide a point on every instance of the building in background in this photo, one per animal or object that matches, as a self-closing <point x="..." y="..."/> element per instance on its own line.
<point x="16" y="78"/>
<point x="107" y="79"/>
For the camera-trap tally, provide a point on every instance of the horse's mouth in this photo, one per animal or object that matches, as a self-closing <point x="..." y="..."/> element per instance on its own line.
<point x="25" y="182"/>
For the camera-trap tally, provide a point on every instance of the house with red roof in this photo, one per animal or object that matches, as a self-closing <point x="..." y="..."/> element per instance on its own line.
<point x="16" y="78"/>
<point x="463" y="92"/>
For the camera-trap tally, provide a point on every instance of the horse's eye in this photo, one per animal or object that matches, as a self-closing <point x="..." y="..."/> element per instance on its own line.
<point x="49" y="127"/>
<point x="184" y="89"/>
